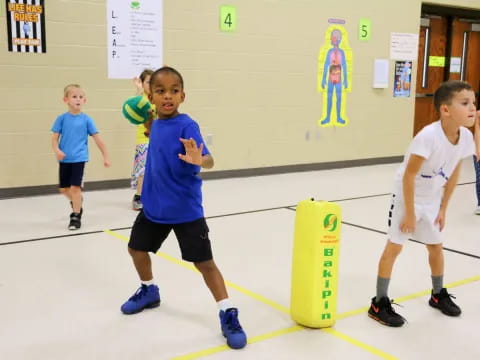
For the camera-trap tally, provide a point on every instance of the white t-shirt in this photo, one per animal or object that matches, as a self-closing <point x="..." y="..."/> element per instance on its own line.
<point x="441" y="159"/>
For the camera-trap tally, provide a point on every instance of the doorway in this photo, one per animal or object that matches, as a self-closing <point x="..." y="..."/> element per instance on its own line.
<point x="449" y="49"/>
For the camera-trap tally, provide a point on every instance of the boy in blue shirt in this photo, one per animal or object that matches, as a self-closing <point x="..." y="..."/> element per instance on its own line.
<point x="70" y="145"/>
<point x="172" y="200"/>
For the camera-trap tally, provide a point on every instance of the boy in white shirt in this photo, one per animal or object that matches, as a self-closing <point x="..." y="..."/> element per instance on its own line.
<point x="476" y="160"/>
<point x="423" y="186"/>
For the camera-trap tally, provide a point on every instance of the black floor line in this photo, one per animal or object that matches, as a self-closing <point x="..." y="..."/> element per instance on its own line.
<point x="247" y="212"/>
<point x="51" y="237"/>
<point x="129" y="227"/>
<point x="412" y="240"/>
<point x="289" y="207"/>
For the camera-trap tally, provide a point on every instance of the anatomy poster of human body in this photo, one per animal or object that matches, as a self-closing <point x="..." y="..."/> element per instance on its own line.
<point x="335" y="76"/>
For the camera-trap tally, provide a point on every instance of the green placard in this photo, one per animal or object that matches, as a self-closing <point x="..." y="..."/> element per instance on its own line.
<point x="364" y="29"/>
<point x="228" y="18"/>
<point x="436" y="61"/>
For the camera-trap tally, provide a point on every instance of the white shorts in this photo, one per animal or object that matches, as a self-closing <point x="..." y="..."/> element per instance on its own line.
<point x="426" y="230"/>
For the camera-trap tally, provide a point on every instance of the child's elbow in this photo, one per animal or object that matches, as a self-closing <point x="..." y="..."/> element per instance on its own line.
<point x="208" y="162"/>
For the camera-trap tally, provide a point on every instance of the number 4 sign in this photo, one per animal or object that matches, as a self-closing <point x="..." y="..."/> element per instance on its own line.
<point x="364" y="28"/>
<point x="228" y="18"/>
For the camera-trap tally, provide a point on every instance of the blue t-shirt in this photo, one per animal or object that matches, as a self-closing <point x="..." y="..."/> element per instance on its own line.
<point x="74" y="131"/>
<point x="171" y="192"/>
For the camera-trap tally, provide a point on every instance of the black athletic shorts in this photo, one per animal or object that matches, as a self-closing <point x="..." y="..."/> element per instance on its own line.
<point x="71" y="174"/>
<point x="192" y="237"/>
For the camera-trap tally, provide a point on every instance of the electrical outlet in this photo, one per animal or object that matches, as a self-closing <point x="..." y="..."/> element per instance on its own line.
<point x="209" y="139"/>
<point x="307" y="135"/>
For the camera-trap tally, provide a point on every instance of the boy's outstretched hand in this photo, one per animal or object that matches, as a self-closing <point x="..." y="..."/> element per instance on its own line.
<point x="193" y="153"/>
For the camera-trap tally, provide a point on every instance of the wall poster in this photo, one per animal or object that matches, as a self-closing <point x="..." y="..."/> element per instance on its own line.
<point x="402" y="79"/>
<point x="335" y="75"/>
<point x="26" y="26"/>
<point x="134" y="37"/>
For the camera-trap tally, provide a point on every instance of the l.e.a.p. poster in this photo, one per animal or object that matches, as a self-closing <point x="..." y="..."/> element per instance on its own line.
<point x="26" y="26"/>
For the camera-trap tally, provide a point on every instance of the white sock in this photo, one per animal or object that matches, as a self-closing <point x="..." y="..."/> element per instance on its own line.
<point x="149" y="282"/>
<point x="224" y="304"/>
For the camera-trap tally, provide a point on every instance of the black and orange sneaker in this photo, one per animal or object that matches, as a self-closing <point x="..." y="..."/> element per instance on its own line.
<point x="443" y="302"/>
<point x="383" y="312"/>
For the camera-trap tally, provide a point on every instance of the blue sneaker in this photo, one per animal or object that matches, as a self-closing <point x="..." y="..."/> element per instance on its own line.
<point x="146" y="297"/>
<point x="231" y="329"/>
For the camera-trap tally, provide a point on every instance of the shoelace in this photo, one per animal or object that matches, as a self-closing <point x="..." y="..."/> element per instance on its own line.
<point x="232" y="322"/>
<point x="448" y="298"/>
<point x="141" y="291"/>
<point x="390" y="310"/>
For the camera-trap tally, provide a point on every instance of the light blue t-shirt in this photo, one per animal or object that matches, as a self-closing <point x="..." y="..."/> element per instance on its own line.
<point x="171" y="192"/>
<point x="74" y="131"/>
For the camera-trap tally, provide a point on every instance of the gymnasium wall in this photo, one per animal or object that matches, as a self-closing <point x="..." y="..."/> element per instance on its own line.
<point x="253" y="92"/>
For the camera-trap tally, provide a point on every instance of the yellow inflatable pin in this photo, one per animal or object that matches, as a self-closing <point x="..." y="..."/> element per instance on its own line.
<point x="315" y="263"/>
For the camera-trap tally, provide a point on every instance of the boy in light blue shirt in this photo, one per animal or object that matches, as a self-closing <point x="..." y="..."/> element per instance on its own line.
<point x="70" y="145"/>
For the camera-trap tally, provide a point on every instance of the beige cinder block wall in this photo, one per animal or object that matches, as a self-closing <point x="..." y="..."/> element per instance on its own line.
<point x="32" y="93"/>
<point x="260" y="98"/>
<point x="254" y="92"/>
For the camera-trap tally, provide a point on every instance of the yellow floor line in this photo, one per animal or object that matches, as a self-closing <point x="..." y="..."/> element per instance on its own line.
<point x="252" y="340"/>
<point x="292" y="329"/>
<point x="227" y="283"/>
<point x="283" y="309"/>
<point x="410" y="297"/>
<point x="360" y="344"/>
<point x="258" y="297"/>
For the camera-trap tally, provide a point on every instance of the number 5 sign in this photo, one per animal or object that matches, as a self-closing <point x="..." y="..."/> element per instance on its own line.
<point x="364" y="29"/>
<point x="228" y="18"/>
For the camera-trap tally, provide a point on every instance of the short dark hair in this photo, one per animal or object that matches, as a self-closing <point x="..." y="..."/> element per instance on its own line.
<point x="167" y="69"/>
<point x="447" y="90"/>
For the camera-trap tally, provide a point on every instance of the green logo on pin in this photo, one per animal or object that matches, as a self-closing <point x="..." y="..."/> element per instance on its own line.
<point x="330" y="222"/>
<point x="135" y="5"/>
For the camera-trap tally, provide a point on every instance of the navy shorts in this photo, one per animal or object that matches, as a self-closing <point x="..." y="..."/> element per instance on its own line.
<point x="192" y="237"/>
<point x="71" y="174"/>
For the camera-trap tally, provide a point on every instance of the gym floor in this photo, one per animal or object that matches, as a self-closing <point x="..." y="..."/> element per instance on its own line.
<point x="61" y="290"/>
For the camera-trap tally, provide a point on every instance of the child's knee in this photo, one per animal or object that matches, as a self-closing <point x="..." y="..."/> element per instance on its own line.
<point x="392" y="250"/>
<point x="206" y="266"/>
<point x="75" y="189"/>
<point x="435" y="249"/>
<point x="136" y="253"/>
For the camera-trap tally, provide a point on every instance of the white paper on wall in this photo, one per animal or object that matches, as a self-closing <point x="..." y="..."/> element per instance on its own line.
<point x="380" y="73"/>
<point x="135" y="37"/>
<point x="403" y="46"/>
